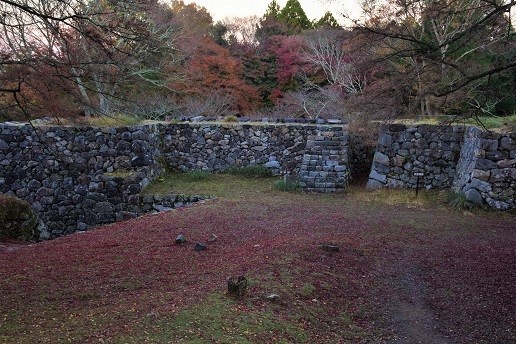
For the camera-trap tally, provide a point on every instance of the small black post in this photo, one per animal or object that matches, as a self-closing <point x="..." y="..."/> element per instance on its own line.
<point x="418" y="174"/>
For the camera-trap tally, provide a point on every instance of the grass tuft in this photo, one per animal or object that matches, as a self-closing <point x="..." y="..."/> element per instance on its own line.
<point x="230" y="119"/>
<point x="281" y="185"/>
<point x="459" y="201"/>
<point x="251" y="171"/>
<point x="196" y="175"/>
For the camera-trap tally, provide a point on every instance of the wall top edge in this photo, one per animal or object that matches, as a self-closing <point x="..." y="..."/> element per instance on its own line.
<point x="172" y="124"/>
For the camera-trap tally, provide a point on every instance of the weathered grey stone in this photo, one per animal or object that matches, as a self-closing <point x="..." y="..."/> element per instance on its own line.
<point x="160" y="208"/>
<point x="496" y="155"/>
<point x="272" y="164"/>
<point x="506" y="163"/>
<point x="104" y="207"/>
<point x="43" y="191"/>
<point x="394" y="183"/>
<point x="497" y="204"/>
<point x="385" y="140"/>
<point x="503" y="174"/>
<point x="481" y="175"/>
<point x="472" y="195"/>
<point x="377" y="176"/>
<point x="374" y="184"/>
<point x="382" y="169"/>
<point x="485" y="164"/>
<point x="381" y="158"/>
<point x="480" y="185"/>
<point x="507" y="143"/>
<point x="200" y="246"/>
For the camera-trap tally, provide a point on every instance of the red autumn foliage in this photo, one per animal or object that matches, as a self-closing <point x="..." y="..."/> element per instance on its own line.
<point x="289" y="60"/>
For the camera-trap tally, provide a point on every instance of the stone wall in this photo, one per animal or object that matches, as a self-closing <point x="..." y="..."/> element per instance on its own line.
<point x="63" y="172"/>
<point x="402" y="150"/>
<point x="217" y="147"/>
<point x="325" y="166"/>
<point x="486" y="171"/>
<point x="479" y="164"/>
<point x="80" y="177"/>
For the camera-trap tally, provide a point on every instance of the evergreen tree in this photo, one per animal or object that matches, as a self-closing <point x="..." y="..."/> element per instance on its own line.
<point x="327" y="20"/>
<point x="273" y="10"/>
<point x="294" y="17"/>
<point x="271" y="24"/>
<point x="218" y="33"/>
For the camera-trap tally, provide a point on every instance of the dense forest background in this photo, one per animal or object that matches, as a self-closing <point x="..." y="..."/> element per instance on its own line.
<point x="162" y="60"/>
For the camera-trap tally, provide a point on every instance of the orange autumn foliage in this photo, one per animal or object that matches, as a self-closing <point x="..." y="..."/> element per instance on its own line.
<point x="211" y="69"/>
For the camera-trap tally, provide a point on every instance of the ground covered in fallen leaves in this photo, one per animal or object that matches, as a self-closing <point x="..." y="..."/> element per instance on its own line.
<point x="407" y="270"/>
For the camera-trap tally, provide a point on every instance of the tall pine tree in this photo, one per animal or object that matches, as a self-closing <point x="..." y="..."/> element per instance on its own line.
<point x="327" y="20"/>
<point x="273" y="10"/>
<point x="271" y="24"/>
<point x="294" y="17"/>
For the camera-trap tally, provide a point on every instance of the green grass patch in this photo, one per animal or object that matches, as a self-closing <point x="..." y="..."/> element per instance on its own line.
<point x="425" y="198"/>
<point x="196" y="175"/>
<point x="506" y="123"/>
<point x="230" y="119"/>
<point x="221" y="185"/>
<point x="218" y="319"/>
<point x="498" y="123"/>
<point x="459" y="201"/>
<point x="116" y="120"/>
<point x="251" y="171"/>
<point x="283" y="185"/>
<point x="307" y="289"/>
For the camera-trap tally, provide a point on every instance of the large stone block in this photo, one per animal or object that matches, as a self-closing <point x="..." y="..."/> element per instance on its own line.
<point x="377" y="176"/>
<point x="485" y="164"/>
<point x="381" y="158"/>
<point x="385" y="140"/>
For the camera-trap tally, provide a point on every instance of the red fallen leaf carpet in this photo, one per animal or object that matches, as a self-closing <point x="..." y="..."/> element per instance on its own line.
<point x="404" y="274"/>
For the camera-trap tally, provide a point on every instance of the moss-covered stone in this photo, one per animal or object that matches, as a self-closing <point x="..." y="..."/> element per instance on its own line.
<point x="17" y="220"/>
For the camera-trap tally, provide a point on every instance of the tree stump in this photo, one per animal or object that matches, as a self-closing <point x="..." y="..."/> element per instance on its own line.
<point x="237" y="286"/>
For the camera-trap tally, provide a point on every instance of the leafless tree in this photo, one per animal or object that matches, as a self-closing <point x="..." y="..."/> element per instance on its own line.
<point x="324" y="102"/>
<point x="90" y="46"/>
<point x="326" y="53"/>
<point x="241" y="30"/>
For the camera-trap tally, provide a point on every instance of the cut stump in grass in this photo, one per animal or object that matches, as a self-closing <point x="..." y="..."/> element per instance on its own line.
<point x="237" y="287"/>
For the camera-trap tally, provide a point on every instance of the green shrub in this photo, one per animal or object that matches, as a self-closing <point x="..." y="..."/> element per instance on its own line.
<point x="251" y="171"/>
<point x="281" y="185"/>
<point x="17" y="220"/>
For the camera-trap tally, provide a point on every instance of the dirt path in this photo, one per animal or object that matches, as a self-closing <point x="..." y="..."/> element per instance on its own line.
<point x="411" y="319"/>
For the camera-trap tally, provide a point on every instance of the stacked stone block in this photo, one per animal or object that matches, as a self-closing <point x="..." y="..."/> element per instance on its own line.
<point x="216" y="147"/>
<point x="325" y="162"/>
<point x="64" y="172"/>
<point x="403" y="150"/>
<point x="78" y="177"/>
<point x="479" y="164"/>
<point x="486" y="172"/>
